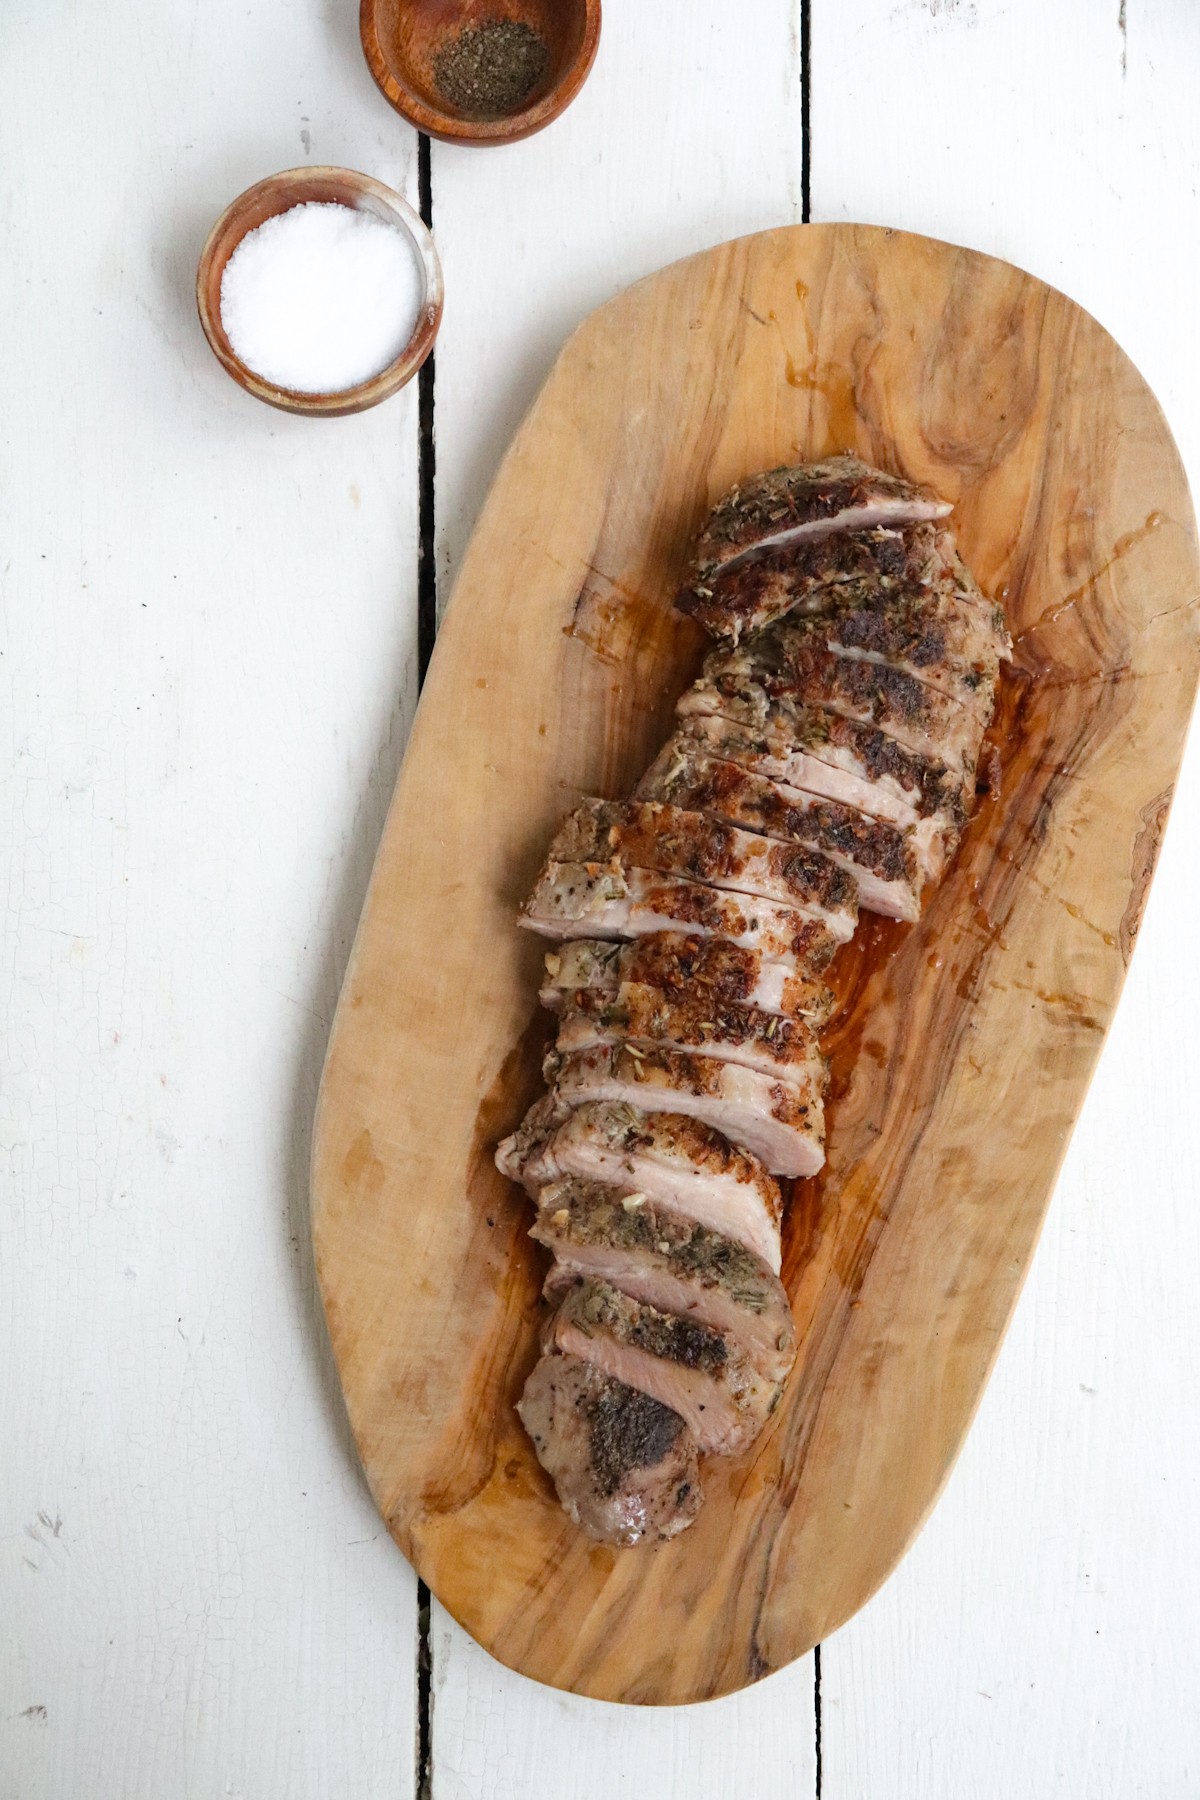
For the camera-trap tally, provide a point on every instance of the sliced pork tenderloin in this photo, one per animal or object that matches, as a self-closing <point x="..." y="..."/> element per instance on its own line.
<point x="810" y="575"/>
<point x="644" y="1016"/>
<point x="623" y="1464"/>
<point x="674" y="964"/>
<point x="784" y="510"/>
<point x="780" y="1122"/>
<point x="702" y="1375"/>
<point x="595" y="900"/>
<point x="677" y="1163"/>
<point x="891" y="865"/>
<point x="703" y="741"/>
<point x="826" y="754"/>
<point x="791" y="663"/>
<point x="868" y="570"/>
<point x="652" y="1254"/>
<point x="929" y="637"/>
<point x="672" y="841"/>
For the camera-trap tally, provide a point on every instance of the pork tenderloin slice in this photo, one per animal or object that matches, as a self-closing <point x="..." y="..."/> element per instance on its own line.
<point x="862" y="570"/>
<point x="700" y="1374"/>
<point x="624" y="1466"/>
<point x="671" y="962"/>
<point x="668" y="1262"/>
<point x="890" y="865"/>
<point x="808" y="575"/>
<point x="677" y="1162"/>
<point x="790" y="663"/>
<point x="828" y="755"/>
<point x="595" y="900"/>
<point x="646" y="1017"/>
<point x="785" y="506"/>
<point x="671" y="841"/>
<point x="780" y="1122"/>
<point x="853" y="838"/>
<point x="929" y="636"/>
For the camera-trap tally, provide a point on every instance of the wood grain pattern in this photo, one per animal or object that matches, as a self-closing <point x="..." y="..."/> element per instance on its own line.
<point x="966" y="1043"/>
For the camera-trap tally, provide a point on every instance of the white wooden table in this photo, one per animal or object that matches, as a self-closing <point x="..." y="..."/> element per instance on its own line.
<point x="210" y="648"/>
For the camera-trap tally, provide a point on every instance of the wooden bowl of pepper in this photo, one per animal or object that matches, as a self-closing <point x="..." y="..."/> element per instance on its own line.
<point x="480" y="71"/>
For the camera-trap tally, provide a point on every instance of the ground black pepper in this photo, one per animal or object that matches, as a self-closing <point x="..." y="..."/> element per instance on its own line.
<point x="630" y="1430"/>
<point x="490" y="69"/>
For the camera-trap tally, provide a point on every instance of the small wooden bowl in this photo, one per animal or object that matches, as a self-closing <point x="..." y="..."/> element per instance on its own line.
<point x="277" y="194"/>
<point x="402" y="40"/>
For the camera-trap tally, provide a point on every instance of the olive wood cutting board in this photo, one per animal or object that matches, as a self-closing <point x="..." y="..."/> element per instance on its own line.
<point x="964" y="1045"/>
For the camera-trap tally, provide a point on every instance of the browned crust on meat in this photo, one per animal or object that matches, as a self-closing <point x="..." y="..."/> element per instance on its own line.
<point x="806" y="494"/>
<point x="670" y="839"/>
<point x="923" y="636"/>
<point x="713" y="966"/>
<point x="694" y="1018"/>
<point x="594" y="1306"/>
<point x="671" y="962"/>
<point x="793" y="1102"/>
<point x="583" y="1213"/>
<point x="725" y="913"/>
<point x="789" y="663"/>
<point x="808" y="575"/>
<point x="628" y="1431"/>
<point x="627" y="1130"/>
<point x="635" y="1450"/>
<point x="929" y="784"/>
<point x="906" y="567"/>
<point x="777" y="929"/>
<point x="709" y="782"/>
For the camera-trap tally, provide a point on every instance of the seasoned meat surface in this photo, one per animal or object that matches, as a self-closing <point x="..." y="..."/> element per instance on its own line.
<point x="789" y="507"/>
<point x="652" y="1254"/>
<point x="595" y="900"/>
<point x="780" y="1122"/>
<point x="673" y="841"/>
<point x="623" y="1464"/>
<point x="808" y="575"/>
<point x="932" y="636"/>
<point x="720" y="973"/>
<point x="824" y="753"/>
<point x="645" y="1016"/>
<point x="879" y="569"/>
<point x="793" y="663"/>
<point x="723" y="1399"/>
<point x="825" y="759"/>
<point x="677" y="1162"/>
<point x="889" y="863"/>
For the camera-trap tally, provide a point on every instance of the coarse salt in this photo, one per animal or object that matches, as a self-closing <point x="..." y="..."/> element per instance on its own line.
<point x="321" y="297"/>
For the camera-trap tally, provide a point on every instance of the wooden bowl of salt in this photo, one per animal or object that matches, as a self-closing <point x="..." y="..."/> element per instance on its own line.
<point x="480" y="71"/>
<point x="320" y="291"/>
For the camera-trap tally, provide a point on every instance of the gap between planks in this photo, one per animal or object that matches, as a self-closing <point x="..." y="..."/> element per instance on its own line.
<point x="426" y="455"/>
<point x="806" y="127"/>
<point x="426" y="632"/>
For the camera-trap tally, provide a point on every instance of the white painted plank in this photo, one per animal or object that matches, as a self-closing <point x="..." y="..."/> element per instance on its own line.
<point x="209" y="643"/>
<point x="1043" y="1635"/>
<point x="687" y="133"/>
<point x="498" y="1736"/>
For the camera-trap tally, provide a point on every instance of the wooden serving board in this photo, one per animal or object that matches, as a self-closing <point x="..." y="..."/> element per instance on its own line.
<point x="965" y="1043"/>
